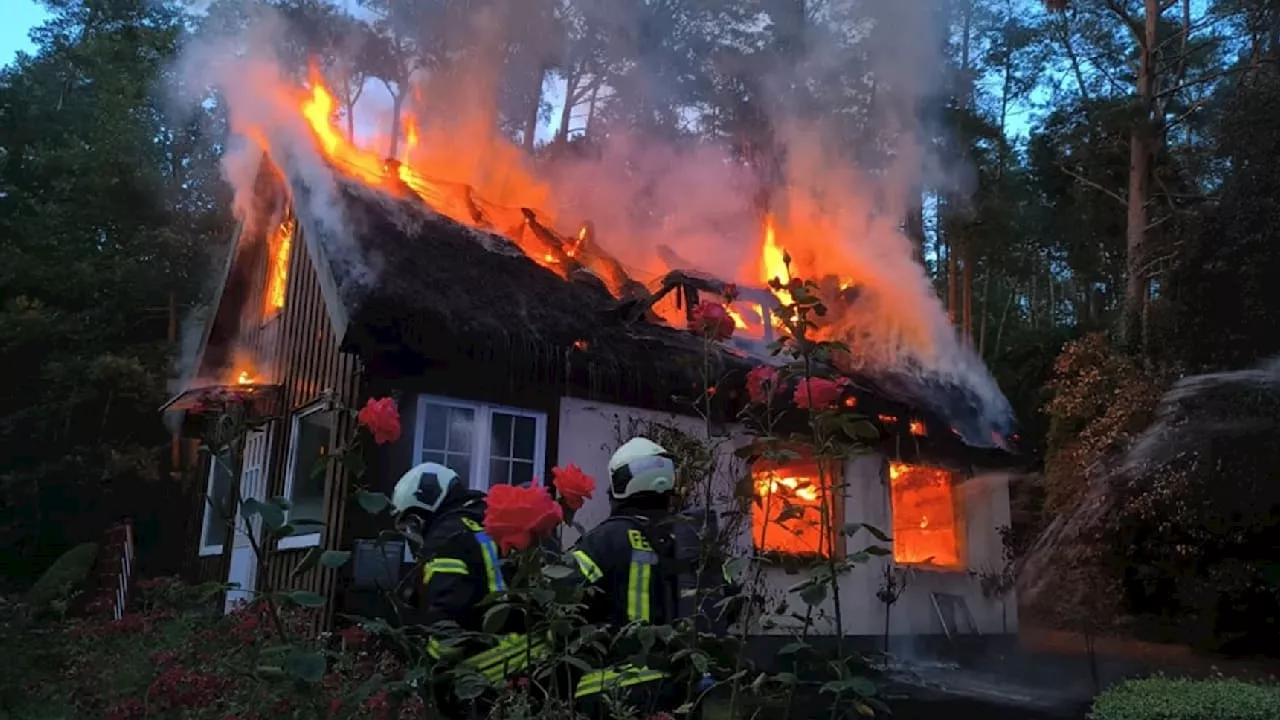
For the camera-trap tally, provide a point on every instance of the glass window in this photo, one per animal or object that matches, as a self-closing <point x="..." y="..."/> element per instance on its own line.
<point x="215" y="513"/>
<point x="310" y="458"/>
<point x="448" y="437"/>
<point x="512" y="445"/>
<point x="926" y="524"/>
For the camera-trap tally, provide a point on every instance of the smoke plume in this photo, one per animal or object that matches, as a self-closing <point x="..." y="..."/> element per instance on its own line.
<point x="841" y="99"/>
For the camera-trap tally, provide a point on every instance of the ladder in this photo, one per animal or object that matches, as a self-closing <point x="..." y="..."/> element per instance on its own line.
<point x="951" y="609"/>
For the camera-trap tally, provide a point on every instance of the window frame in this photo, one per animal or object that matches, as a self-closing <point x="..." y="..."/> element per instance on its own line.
<point x="481" y="440"/>
<point x="838" y="542"/>
<point x="960" y="525"/>
<point x="311" y="539"/>
<point x="207" y="548"/>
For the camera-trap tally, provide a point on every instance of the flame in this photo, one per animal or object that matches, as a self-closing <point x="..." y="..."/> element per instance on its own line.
<point x="917" y="428"/>
<point x="504" y="193"/>
<point x="278" y="245"/>
<point x="244" y="378"/>
<point x="796" y="486"/>
<point x="773" y="260"/>
<point x="926" y="530"/>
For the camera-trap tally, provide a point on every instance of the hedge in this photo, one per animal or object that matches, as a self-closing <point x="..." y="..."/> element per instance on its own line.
<point x="63" y="577"/>
<point x="1159" y="698"/>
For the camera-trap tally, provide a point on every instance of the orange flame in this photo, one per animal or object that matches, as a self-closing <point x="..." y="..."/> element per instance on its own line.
<point x="278" y="245"/>
<point x="926" y="528"/>
<point x="244" y="378"/>
<point x="789" y="533"/>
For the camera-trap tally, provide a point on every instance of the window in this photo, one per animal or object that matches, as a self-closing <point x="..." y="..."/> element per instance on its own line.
<point x="926" y="527"/>
<point x="376" y="564"/>
<point x="486" y="445"/>
<point x="305" y="481"/>
<point x="217" y="494"/>
<point x="787" y="517"/>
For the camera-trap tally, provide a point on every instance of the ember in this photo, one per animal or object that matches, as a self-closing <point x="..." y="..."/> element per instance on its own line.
<point x="925" y="528"/>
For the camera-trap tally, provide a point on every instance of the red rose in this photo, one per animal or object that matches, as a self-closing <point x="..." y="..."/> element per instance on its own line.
<point x="518" y="516"/>
<point x="762" y="383"/>
<point x="574" y="486"/>
<point x="818" y="393"/>
<point x="382" y="419"/>
<point x="711" y="320"/>
<point x="353" y="636"/>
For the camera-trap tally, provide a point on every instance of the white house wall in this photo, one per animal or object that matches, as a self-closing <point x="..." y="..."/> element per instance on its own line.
<point x="589" y="432"/>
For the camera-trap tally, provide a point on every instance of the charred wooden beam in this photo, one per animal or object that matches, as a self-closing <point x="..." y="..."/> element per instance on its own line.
<point x="588" y="251"/>
<point x="477" y="215"/>
<point x="555" y="245"/>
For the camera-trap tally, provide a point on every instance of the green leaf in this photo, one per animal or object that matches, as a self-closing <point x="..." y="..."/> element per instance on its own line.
<point x="306" y="523"/>
<point x="319" y="466"/>
<point x="272" y="516"/>
<point x="283" y="531"/>
<point x="791" y="648"/>
<point x="557" y="572"/>
<point x="470" y="686"/>
<point x="852" y="528"/>
<point x="308" y="561"/>
<point x="495" y="618"/>
<point x="814" y="594"/>
<point x="372" y="502"/>
<point x="334" y="559"/>
<point x="878" y="550"/>
<point x="789" y="512"/>
<point x="307" y="666"/>
<point x="736" y="567"/>
<point x="861" y="430"/>
<point x="306" y="598"/>
<point x="269" y="672"/>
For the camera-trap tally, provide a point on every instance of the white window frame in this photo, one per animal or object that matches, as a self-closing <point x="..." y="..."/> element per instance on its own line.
<point x="311" y="539"/>
<point x="208" y="548"/>
<point x="481" y="439"/>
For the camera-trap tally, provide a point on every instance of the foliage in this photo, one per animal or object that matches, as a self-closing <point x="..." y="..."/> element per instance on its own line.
<point x="64" y="578"/>
<point x="1160" y="698"/>
<point x="1101" y="400"/>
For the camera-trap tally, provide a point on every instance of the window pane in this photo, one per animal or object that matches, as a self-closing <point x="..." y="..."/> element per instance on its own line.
<point x="460" y="464"/>
<point x="435" y="457"/>
<point x="436" y="425"/>
<point x="525" y="437"/>
<point x="500" y="437"/>
<point x="461" y="421"/>
<point x="521" y="473"/>
<point x="214" y="525"/>
<point x="308" y="475"/>
<point x="499" y="472"/>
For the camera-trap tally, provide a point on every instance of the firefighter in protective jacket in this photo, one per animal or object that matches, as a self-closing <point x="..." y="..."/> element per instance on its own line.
<point x="632" y="556"/>
<point x="444" y="521"/>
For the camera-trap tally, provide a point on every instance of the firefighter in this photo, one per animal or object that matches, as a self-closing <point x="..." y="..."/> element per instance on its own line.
<point x="635" y="558"/>
<point x="444" y="521"/>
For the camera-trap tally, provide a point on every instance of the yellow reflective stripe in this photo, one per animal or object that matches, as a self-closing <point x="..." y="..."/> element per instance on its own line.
<point x="445" y="566"/>
<point x="638" y="579"/>
<point x="512" y="654"/>
<point x="625" y="676"/>
<point x="472" y="525"/>
<point x="588" y="566"/>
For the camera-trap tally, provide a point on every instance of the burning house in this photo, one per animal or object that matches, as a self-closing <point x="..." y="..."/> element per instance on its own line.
<point x="513" y="347"/>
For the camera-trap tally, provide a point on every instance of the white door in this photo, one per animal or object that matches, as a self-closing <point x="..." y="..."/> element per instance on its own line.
<point x="243" y="573"/>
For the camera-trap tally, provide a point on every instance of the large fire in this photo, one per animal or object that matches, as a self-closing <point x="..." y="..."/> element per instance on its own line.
<point x="926" y="530"/>
<point x="497" y="202"/>
<point x="787" y="518"/>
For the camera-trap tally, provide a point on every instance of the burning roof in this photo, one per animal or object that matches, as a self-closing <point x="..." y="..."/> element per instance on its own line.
<point x="432" y="268"/>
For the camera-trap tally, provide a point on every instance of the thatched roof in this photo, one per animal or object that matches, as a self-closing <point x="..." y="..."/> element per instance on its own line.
<point x="415" y="284"/>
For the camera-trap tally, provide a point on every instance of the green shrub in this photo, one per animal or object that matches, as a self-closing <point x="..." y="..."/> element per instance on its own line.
<point x="1160" y="698"/>
<point x="63" y="577"/>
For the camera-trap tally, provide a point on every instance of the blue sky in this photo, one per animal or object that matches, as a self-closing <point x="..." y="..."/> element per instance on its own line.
<point x="19" y="17"/>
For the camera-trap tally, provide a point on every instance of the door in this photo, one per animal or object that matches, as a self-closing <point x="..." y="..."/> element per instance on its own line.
<point x="242" y="575"/>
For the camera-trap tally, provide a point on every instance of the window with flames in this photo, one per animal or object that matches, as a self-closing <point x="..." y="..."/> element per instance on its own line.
<point x="787" y="516"/>
<point x="927" y="519"/>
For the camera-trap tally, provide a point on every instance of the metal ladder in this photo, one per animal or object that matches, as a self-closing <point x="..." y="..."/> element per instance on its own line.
<point x="947" y="605"/>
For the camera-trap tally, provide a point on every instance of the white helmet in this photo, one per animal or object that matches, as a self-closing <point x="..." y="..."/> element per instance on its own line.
<point x="423" y="488"/>
<point x="641" y="465"/>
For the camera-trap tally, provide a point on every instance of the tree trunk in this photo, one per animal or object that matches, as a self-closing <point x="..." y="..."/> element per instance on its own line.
<point x="566" y="112"/>
<point x="531" y="120"/>
<point x="397" y="103"/>
<point x="982" y="326"/>
<point x="1132" y="332"/>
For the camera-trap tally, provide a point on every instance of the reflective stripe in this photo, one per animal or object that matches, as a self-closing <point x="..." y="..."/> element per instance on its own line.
<point x="512" y="654"/>
<point x="588" y="566"/>
<point x="598" y="681"/>
<point x="447" y="566"/>
<point x="489" y="551"/>
<point x="638" y="579"/>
